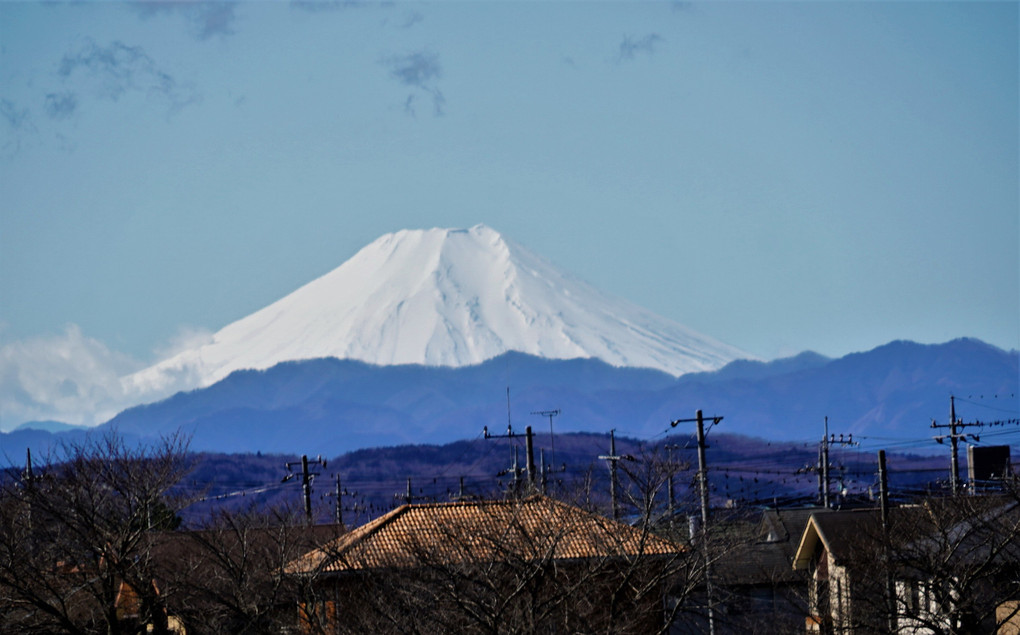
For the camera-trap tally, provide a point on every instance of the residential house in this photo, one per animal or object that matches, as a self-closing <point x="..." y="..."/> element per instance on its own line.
<point x="757" y="588"/>
<point x="841" y="551"/>
<point x="949" y="564"/>
<point x="517" y="565"/>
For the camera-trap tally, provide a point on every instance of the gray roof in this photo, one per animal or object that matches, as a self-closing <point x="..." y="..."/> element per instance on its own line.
<point x="767" y="556"/>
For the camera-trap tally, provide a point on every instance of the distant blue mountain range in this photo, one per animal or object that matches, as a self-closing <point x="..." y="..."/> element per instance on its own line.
<point x="334" y="406"/>
<point x="49" y="426"/>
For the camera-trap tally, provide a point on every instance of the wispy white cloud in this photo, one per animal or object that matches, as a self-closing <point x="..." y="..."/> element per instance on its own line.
<point x="68" y="377"/>
<point x="76" y="379"/>
<point x="187" y="338"/>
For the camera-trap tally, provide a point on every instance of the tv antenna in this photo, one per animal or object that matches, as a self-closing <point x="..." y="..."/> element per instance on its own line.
<point x="552" y="442"/>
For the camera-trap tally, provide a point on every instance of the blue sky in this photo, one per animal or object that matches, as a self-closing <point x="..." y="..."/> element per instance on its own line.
<point x="780" y="176"/>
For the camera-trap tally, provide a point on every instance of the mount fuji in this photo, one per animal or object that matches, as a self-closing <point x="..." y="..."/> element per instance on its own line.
<point x="441" y="297"/>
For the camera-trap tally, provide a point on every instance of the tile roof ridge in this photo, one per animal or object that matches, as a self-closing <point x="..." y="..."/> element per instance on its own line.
<point x="344" y="543"/>
<point x="478" y="502"/>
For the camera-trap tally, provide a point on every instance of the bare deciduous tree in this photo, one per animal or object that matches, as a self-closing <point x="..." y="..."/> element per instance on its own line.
<point x="73" y="550"/>
<point x="229" y="572"/>
<point x="954" y="561"/>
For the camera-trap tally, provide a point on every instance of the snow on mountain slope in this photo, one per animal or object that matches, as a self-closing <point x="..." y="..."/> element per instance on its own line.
<point x="441" y="297"/>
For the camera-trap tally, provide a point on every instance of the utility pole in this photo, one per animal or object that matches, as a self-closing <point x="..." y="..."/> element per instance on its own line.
<point x="823" y="474"/>
<point x="306" y="480"/>
<point x="953" y="442"/>
<point x="883" y="490"/>
<point x="703" y="483"/>
<point x="28" y="482"/>
<point x="954" y="438"/>
<point x="338" y="494"/>
<point x="702" y="464"/>
<point x="670" y="494"/>
<point x="613" y="458"/>
<point x="541" y="470"/>
<point x="883" y="497"/>
<point x="544" y="469"/>
<point x="408" y="496"/>
<point x="516" y="470"/>
<point x="339" y="501"/>
<point x="529" y="449"/>
<point x="703" y="471"/>
<point x="826" y="465"/>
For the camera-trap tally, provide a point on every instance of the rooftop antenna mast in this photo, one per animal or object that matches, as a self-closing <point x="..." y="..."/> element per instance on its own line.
<point x="509" y="428"/>
<point x="552" y="442"/>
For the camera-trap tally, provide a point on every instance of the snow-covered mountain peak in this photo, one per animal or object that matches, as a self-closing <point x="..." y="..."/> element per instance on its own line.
<point x="442" y="297"/>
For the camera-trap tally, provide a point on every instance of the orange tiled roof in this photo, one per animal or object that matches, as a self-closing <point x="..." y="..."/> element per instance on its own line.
<point x="530" y="529"/>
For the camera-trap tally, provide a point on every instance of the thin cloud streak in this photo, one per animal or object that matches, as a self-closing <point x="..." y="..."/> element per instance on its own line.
<point x="16" y="125"/>
<point x="15" y="117"/>
<point x="412" y="19"/>
<point x="117" y="69"/>
<point x="332" y="5"/>
<point x="630" y="46"/>
<point x="61" y="105"/>
<point x="204" y="19"/>
<point x="418" y="71"/>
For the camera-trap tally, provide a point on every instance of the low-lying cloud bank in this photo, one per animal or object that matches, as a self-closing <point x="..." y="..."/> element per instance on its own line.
<point x="71" y="378"/>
